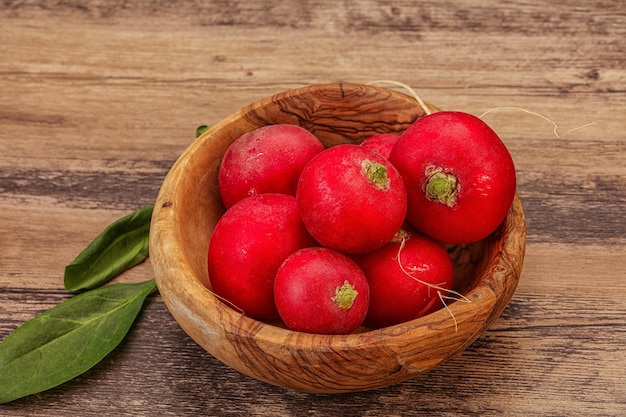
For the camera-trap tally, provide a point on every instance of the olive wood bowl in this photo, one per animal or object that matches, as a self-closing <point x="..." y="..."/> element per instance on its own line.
<point x="188" y="207"/>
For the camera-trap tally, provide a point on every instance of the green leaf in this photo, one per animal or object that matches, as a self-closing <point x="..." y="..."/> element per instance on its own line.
<point x="201" y="129"/>
<point x="122" y="245"/>
<point x="68" y="339"/>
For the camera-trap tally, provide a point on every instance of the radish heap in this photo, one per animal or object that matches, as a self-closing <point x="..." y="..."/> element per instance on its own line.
<point x="328" y="240"/>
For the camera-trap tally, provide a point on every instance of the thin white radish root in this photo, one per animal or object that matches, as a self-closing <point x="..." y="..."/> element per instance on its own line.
<point x="457" y="296"/>
<point x="427" y="110"/>
<point x="406" y="87"/>
<point x="555" y="126"/>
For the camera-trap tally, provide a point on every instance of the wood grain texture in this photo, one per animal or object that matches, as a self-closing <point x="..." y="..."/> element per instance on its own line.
<point x="99" y="98"/>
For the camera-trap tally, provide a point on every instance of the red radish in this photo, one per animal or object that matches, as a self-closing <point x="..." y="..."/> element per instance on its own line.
<point x="319" y="290"/>
<point x="382" y="143"/>
<point x="351" y="199"/>
<point x="248" y="244"/>
<point x="460" y="177"/>
<point x="266" y="160"/>
<point x="406" y="277"/>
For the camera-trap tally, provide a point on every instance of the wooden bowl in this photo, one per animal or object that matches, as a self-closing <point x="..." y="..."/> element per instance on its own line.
<point x="188" y="207"/>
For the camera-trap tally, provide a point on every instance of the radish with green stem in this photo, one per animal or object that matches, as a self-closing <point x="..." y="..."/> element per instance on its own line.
<point x="319" y="290"/>
<point x="459" y="175"/>
<point x="351" y="199"/>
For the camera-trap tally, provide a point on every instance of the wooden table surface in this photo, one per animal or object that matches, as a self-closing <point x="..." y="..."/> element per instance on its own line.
<point x="99" y="98"/>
